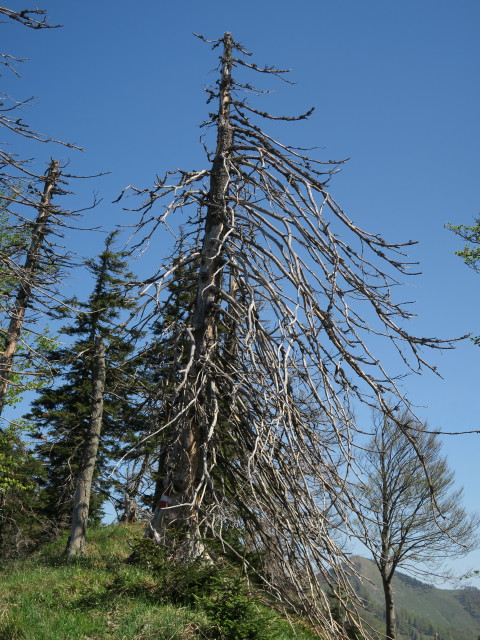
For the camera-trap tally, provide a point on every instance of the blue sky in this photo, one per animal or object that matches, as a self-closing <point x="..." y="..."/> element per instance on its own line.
<point x="395" y="86"/>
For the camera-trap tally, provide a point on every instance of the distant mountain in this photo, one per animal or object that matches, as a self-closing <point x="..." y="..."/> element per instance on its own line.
<point x="422" y="610"/>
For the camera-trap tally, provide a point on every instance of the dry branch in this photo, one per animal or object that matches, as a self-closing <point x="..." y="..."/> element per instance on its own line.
<point x="294" y="308"/>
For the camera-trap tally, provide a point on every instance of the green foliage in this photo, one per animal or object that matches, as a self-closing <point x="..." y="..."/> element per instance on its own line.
<point x="20" y="495"/>
<point x="14" y="459"/>
<point x="221" y="593"/>
<point x="235" y="615"/>
<point x="175" y="583"/>
<point x="48" y="597"/>
<point x="471" y="252"/>
<point x="60" y="416"/>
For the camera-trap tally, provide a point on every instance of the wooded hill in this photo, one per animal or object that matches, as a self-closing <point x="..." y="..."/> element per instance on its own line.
<point x="422" y="610"/>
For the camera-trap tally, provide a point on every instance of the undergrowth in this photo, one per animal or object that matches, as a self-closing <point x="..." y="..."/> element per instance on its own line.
<point x="102" y="597"/>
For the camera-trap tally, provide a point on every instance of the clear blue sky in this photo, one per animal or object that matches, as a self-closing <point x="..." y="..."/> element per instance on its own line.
<point x="395" y="87"/>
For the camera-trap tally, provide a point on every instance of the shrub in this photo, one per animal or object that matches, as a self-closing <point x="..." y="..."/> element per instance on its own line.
<point x="220" y="593"/>
<point x="235" y="615"/>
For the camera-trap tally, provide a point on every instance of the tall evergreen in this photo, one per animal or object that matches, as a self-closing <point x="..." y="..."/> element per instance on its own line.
<point x="61" y="414"/>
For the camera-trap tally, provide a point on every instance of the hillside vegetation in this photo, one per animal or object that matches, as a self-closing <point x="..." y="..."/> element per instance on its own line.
<point x="422" y="610"/>
<point x="102" y="597"/>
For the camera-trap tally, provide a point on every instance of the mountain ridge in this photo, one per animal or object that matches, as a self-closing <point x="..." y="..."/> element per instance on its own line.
<point x="423" y="611"/>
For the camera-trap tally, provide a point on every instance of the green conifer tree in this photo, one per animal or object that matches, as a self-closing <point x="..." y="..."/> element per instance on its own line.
<point x="60" y="415"/>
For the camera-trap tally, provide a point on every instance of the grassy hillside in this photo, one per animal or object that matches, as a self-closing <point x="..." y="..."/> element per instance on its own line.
<point x="100" y="597"/>
<point x="422" y="610"/>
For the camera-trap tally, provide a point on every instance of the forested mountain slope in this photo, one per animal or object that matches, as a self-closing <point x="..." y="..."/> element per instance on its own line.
<point x="422" y="610"/>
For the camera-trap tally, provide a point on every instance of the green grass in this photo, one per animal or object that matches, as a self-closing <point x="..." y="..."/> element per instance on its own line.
<point x="99" y="597"/>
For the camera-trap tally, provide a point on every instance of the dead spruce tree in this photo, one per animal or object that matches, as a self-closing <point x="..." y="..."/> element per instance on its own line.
<point x="30" y="277"/>
<point x="290" y="291"/>
<point x="24" y="189"/>
<point x="16" y="172"/>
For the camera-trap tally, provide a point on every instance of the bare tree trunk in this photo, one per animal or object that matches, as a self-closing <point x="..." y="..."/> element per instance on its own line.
<point x="27" y="280"/>
<point x="390" y="622"/>
<point x="76" y="542"/>
<point x="385" y="568"/>
<point x="182" y="485"/>
<point x="130" y="510"/>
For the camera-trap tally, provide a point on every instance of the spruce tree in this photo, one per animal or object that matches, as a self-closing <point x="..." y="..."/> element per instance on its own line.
<point x="61" y="414"/>
<point x="21" y="526"/>
<point x="31" y="269"/>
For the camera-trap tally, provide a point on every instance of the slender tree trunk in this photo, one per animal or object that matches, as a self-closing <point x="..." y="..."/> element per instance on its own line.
<point x="76" y="542"/>
<point x="182" y="483"/>
<point x="27" y="280"/>
<point x="390" y="622"/>
<point x="385" y="569"/>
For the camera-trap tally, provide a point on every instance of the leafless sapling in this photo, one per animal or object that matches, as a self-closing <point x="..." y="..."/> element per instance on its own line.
<point x="408" y="513"/>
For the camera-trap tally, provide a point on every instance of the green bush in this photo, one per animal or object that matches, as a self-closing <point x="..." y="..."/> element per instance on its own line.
<point x="220" y="593"/>
<point x="177" y="583"/>
<point x="235" y="615"/>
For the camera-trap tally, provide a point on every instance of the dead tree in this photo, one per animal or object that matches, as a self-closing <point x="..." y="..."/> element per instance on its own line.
<point x="31" y="18"/>
<point x="28" y="279"/>
<point x="292" y="300"/>
<point x="81" y="503"/>
<point x="16" y="173"/>
<point x="19" y="182"/>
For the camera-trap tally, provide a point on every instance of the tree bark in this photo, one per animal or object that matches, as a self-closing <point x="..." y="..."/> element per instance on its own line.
<point x="130" y="510"/>
<point x="27" y="280"/>
<point x="390" y="622"/>
<point x="182" y="482"/>
<point x="385" y="569"/>
<point x="76" y="542"/>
